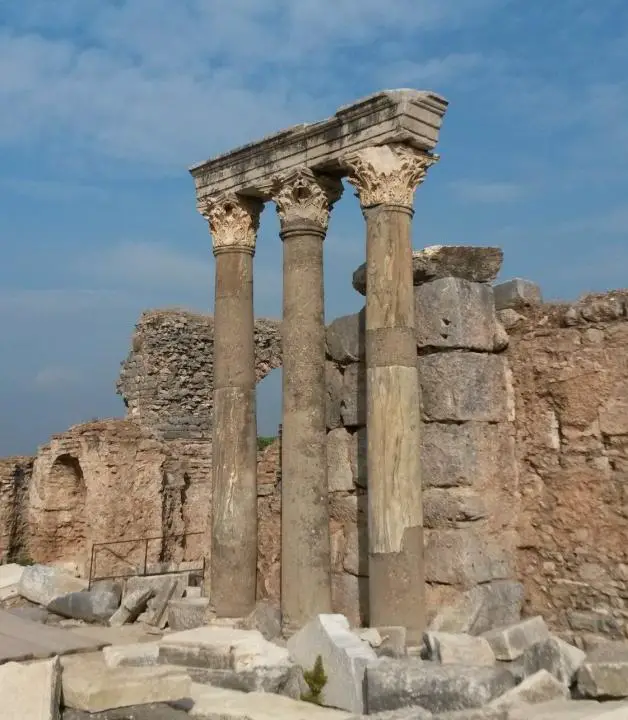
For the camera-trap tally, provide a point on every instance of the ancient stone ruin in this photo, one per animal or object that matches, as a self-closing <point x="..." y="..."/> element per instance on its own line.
<point x="453" y="457"/>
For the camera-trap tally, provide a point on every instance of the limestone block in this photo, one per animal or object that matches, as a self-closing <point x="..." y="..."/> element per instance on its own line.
<point x="455" y="313"/>
<point x="517" y="292"/>
<point x="132" y="605"/>
<point x="88" y="684"/>
<point x="96" y="605"/>
<point x="569" y="710"/>
<point x="278" y="679"/>
<point x="394" y="641"/>
<point x="355" y="560"/>
<point x="42" y="584"/>
<point x="266" y="618"/>
<point x="334" y="386"/>
<point x="211" y="703"/>
<point x="188" y="613"/>
<point x="31" y="691"/>
<point x="353" y="399"/>
<point x="455" y="455"/>
<point x="10" y="576"/>
<point x="538" y="688"/>
<point x="476" y="264"/>
<point x="459" y="386"/>
<point x="511" y="642"/>
<point x="349" y="594"/>
<point x="459" y="649"/>
<point x="556" y="656"/>
<point x="485" y="713"/>
<point x="370" y="635"/>
<point x="344" y="338"/>
<point x="509" y="318"/>
<point x="158" y="606"/>
<point x="445" y="507"/>
<point x="344" y="657"/>
<point x="395" y="683"/>
<point x="359" y="457"/>
<point x="133" y="654"/>
<point x="221" y="648"/>
<point x="456" y="557"/>
<point x="339" y="468"/>
<point x="604" y="673"/>
<point x="156" y="583"/>
<point x="150" y="711"/>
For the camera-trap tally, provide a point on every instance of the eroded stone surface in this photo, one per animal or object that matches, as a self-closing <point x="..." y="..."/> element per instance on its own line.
<point x="393" y="684"/>
<point x="41" y="584"/>
<point x="540" y="687"/>
<point x="556" y="656"/>
<point x="459" y="649"/>
<point x="344" y="657"/>
<point x="604" y="673"/>
<point x="511" y="642"/>
<point x="30" y="691"/>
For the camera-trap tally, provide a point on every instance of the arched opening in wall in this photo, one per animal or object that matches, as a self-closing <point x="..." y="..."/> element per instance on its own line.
<point x="64" y="527"/>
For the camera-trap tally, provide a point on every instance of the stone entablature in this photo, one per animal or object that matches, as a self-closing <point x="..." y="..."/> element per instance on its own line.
<point x="409" y="117"/>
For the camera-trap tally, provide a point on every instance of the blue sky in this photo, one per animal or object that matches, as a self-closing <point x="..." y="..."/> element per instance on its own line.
<point x="106" y="103"/>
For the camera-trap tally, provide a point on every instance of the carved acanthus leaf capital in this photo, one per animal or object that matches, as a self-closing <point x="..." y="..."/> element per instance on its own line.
<point x="233" y="220"/>
<point x="387" y="174"/>
<point x="302" y="195"/>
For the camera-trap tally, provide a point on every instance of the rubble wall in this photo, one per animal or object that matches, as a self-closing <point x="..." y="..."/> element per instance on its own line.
<point x="15" y="476"/>
<point x="570" y="372"/>
<point x="166" y="381"/>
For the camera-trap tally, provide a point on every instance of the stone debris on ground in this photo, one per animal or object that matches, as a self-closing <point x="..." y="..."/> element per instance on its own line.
<point x="89" y="685"/>
<point x="133" y="654"/>
<point x="188" y="613"/>
<point x="94" y="606"/>
<point x="509" y="643"/>
<point x="132" y="605"/>
<point x="459" y="649"/>
<point x="42" y="584"/>
<point x="10" y="576"/>
<point x="604" y="672"/>
<point x="30" y="691"/>
<point x="556" y="656"/>
<point x="344" y="656"/>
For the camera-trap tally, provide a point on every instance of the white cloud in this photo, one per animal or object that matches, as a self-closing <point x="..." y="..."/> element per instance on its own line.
<point x="167" y="84"/>
<point x="472" y="191"/>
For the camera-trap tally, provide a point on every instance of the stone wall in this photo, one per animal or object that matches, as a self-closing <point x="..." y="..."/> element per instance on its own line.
<point x="570" y="370"/>
<point x="469" y="470"/>
<point x="167" y="379"/>
<point x="15" y="475"/>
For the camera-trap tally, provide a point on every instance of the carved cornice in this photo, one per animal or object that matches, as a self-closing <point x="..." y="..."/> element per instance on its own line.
<point x="233" y="221"/>
<point x="387" y="174"/>
<point x="303" y="196"/>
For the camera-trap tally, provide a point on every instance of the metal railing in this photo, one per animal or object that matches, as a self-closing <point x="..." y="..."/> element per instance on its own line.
<point x="142" y="570"/>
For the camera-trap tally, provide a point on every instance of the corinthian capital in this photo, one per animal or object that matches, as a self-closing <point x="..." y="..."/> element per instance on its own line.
<point x="301" y="195"/>
<point x="233" y="220"/>
<point x="387" y="174"/>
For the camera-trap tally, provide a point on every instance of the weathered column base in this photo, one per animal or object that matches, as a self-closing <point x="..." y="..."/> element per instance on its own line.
<point x="396" y="584"/>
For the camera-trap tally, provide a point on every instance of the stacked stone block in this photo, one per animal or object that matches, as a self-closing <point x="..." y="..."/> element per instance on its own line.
<point x="467" y="446"/>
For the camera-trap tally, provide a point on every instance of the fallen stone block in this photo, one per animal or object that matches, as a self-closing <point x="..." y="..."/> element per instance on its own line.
<point x="370" y="636"/>
<point x="210" y="703"/>
<point x="34" y="614"/>
<point x="509" y="643"/>
<point x="158" y="606"/>
<point x="538" y="688"/>
<point x="193" y="591"/>
<point x="344" y="657"/>
<point x="517" y="292"/>
<point x="134" y="654"/>
<point x="459" y="649"/>
<point x="231" y="658"/>
<point x="10" y="576"/>
<point x="150" y="711"/>
<point x="42" y="584"/>
<point x="394" y="641"/>
<point x="266" y="617"/>
<point x="604" y="673"/>
<point x="556" y="656"/>
<point x="88" y="684"/>
<point x="132" y="605"/>
<point x="96" y="605"/>
<point x="30" y="691"/>
<point x="569" y="710"/>
<point x="392" y="684"/>
<point x="188" y="613"/>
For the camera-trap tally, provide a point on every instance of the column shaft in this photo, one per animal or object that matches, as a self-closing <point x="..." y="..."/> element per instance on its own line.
<point x="305" y="546"/>
<point x="234" y="503"/>
<point x="396" y="569"/>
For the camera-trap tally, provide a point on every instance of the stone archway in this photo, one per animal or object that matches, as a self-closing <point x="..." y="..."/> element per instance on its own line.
<point x="63" y="533"/>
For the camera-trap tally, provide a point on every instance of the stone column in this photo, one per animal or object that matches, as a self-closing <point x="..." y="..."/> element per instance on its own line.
<point x="303" y="203"/>
<point x="385" y="178"/>
<point x="233" y="222"/>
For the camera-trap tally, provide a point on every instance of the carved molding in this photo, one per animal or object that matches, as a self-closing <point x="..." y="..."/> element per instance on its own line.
<point x="233" y="220"/>
<point x="387" y="174"/>
<point x="301" y="195"/>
